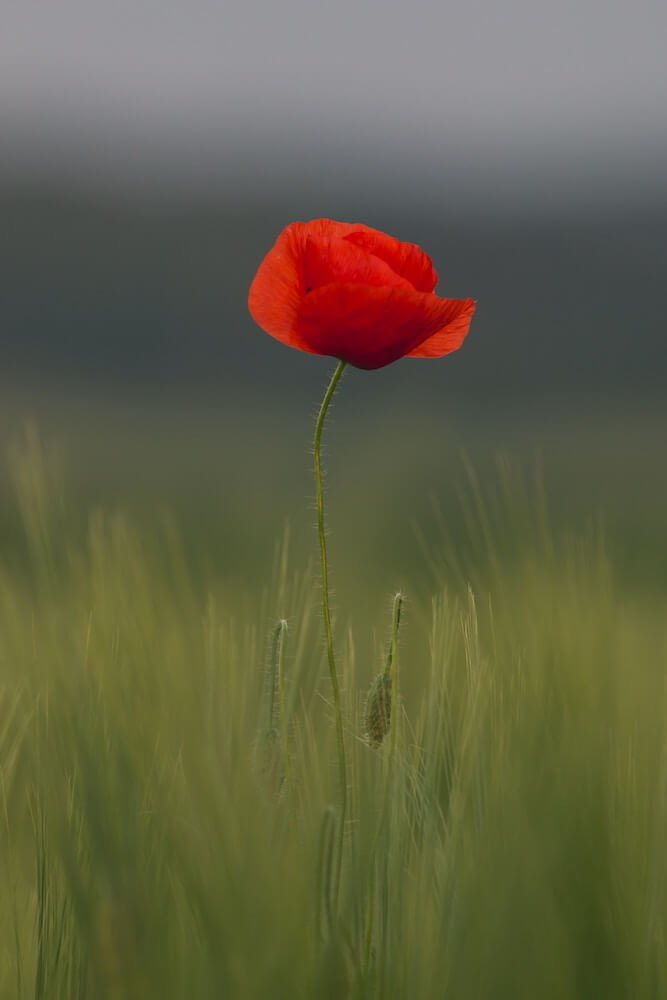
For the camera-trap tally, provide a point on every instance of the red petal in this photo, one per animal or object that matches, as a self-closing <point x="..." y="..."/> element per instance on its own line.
<point x="370" y="326"/>
<point x="329" y="227"/>
<point x="451" y="336"/>
<point x="406" y="259"/>
<point x="330" y="259"/>
<point x="278" y="287"/>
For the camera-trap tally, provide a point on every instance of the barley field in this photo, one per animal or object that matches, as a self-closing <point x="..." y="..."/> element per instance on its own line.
<point x="169" y="774"/>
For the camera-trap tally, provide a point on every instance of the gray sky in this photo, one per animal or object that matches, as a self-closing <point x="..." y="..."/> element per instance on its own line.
<point x="210" y="89"/>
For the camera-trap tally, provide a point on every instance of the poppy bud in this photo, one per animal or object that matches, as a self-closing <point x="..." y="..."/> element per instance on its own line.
<point x="377" y="713"/>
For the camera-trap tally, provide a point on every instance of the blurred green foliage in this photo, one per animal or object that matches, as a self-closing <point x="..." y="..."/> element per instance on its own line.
<point x="152" y="844"/>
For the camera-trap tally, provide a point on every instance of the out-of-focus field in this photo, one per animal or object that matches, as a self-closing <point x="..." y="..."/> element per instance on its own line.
<point x="234" y="474"/>
<point x="166" y="834"/>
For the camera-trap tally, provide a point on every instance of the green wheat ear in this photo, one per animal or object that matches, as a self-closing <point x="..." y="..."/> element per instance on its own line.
<point x="377" y="712"/>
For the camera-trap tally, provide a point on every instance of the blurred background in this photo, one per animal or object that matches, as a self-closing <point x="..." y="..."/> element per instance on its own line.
<point x="151" y="152"/>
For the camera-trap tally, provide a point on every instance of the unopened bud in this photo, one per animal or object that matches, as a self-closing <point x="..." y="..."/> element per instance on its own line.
<point x="377" y="713"/>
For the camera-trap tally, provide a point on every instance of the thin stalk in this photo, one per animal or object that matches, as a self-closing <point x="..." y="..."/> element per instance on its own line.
<point x="273" y="672"/>
<point x="324" y="915"/>
<point x="391" y="668"/>
<point x="327" y="619"/>
<point x="281" y="702"/>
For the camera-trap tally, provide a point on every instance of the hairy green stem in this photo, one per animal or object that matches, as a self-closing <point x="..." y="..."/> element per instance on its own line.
<point x="327" y="619"/>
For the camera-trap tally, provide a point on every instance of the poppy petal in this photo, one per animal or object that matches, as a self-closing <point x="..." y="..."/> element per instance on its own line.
<point x="331" y="260"/>
<point x="329" y="227"/>
<point x="406" y="259"/>
<point x="451" y="336"/>
<point x="372" y="326"/>
<point x="279" y="286"/>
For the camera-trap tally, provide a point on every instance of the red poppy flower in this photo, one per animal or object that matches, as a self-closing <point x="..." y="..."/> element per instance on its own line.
<point x="356" y="294"/>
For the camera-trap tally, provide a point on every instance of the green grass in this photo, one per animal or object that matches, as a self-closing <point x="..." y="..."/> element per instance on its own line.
<point x="168" y="818"/>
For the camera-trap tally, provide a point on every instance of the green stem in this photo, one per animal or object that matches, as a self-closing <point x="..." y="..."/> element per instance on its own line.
<point x="324" y="915"/>
<point x="281" y="701"/>
<point x="327" y="619"/>
<point x="273" y="672"/>
<point x="391" y="668"/>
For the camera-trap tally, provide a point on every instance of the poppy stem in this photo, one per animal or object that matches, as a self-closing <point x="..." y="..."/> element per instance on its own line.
<point x="327" y="620"/>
